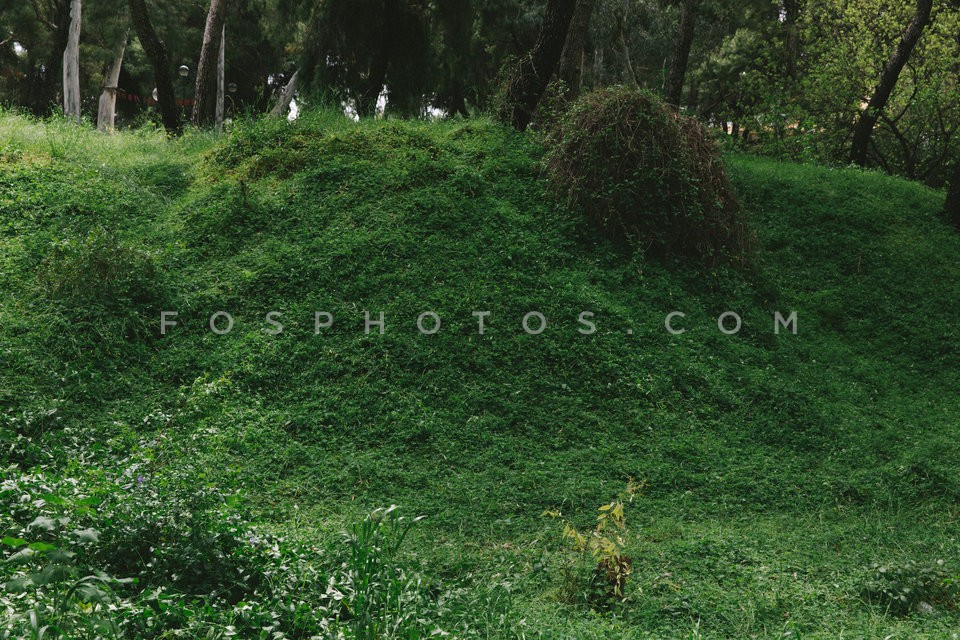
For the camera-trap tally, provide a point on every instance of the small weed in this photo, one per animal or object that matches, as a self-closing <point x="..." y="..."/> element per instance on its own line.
<point x="604" y="547"/>
<point x="911" y="586"/>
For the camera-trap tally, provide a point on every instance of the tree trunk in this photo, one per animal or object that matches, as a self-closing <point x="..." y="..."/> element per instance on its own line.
<point x="624" y="46"/>
<point x="888" y="80"/>
<point x="791" y="11"/>
<point x="108" y="98"/>
<point x="286" y="97"/>
<point x="673" y="83"/>
<point x="157" y="54"/>
<point x="49" y="89"/>
<point x="373" y="87"/>
<point x="529" y="81"/>
<point x="370" y="92"/>
<point x="71" y="65"/>
<point x="205" y="94"/>
<point x="693" y="97"/>
<point x="571" y="62"/>
<point x="597" y="72"/>
<point x="455" y="18"/>
<point x="952" y="206"/>
<point x="221" y="72"/>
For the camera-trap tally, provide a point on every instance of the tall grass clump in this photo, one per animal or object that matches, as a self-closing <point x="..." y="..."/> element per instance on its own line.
<point x="646" y="175"/>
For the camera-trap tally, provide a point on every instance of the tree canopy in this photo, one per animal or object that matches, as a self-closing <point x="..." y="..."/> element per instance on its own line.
<point x="797" y="76"/>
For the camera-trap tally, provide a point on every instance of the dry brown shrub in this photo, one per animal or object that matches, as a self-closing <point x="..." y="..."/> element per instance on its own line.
<point x="646" y="175"/>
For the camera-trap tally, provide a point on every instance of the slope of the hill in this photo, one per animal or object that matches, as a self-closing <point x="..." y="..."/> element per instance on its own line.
<point x="778" y="467"/>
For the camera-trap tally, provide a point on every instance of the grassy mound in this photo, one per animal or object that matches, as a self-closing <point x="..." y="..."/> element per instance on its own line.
<point x="646" y="174"/>
<point x="781" y="470"/>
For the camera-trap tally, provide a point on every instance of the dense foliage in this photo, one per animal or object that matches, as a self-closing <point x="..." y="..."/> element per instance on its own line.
<point x="196" y="485"/>
<point x="788" y="78"/>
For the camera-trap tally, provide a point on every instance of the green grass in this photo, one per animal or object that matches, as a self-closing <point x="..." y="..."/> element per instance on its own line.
<point x="778" y="468"/>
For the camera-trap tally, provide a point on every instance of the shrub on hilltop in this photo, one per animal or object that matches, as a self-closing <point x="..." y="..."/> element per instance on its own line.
<point x="646" y="175"/>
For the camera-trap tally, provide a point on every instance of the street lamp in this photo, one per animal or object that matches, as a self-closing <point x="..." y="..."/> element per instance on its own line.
<point x="183" y="71"/>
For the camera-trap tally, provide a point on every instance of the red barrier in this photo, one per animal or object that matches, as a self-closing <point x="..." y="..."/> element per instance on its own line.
<point x="148" y="100"/>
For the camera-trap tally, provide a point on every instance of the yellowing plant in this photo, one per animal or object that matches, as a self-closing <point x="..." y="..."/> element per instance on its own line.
<point x="604" y="544"/>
